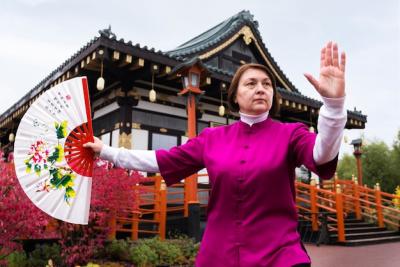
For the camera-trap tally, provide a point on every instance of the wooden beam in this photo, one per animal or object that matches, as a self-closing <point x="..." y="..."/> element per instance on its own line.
<point x="115" y="56"/>
<point x="137" y="63"/>
<point x="127" y="60"/>
<point x="155" y="68"/>
<point x="164" y="71"/>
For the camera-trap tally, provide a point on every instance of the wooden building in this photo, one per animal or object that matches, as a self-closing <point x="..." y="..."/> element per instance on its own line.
<point x="123" y="114"/>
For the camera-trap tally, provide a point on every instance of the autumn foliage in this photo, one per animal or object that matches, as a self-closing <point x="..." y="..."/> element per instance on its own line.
<point x="21" y="219"/>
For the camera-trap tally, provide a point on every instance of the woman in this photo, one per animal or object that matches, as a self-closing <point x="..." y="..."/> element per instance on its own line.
<point x="252" y="218"/>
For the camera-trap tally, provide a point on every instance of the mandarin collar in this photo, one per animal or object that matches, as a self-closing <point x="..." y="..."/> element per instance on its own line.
<point x="253" y="119"/>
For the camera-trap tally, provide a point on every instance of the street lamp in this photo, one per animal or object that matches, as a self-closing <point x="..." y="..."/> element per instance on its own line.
<point x="190" y="72"/>
<point x="357" y="143"/>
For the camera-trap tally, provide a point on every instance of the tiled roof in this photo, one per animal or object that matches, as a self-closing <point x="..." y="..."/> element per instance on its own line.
<point x="214" y="35"/>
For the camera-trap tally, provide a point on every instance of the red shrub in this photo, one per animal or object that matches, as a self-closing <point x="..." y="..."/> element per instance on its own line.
<point x="20" y="218"/>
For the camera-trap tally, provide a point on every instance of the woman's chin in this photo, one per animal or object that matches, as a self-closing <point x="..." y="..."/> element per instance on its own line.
<point x="260" y="109"/>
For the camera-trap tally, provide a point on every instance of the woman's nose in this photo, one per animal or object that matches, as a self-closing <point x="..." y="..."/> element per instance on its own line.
<point x="260" y="89"/>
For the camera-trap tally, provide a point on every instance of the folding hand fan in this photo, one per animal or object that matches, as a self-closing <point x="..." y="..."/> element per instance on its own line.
<point x="52" y="166"/>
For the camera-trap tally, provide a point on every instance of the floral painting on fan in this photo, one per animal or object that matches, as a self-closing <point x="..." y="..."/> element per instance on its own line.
<point x="42" y="157"/>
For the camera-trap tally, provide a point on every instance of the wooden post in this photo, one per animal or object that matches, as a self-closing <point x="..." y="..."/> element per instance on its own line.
<point x="157" y="196"/>
<point x="125" y="103"/>
<point x="335" y="181"/>
<point x="135" y="226"/>
<point x="163" y="210"/>
<point x="339" y="214"/>
<point x="357" y="153"/>
<point x="136" y="213"/>
<point x="191" y="72"/>
<point x="357" y="206"/>
<point x="112" y="225"/>
<point x="314" y="208"/>
<point x="366" y="196"/>
<point x="378" y="201"/>
<point x="191" y="181"/>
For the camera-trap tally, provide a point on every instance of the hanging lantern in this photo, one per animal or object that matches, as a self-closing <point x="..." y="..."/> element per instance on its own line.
<point x="221" y="110"/>
<point x="11" y="137"/>
<point x="100" y="81"/>
<point x="152" y="93"/>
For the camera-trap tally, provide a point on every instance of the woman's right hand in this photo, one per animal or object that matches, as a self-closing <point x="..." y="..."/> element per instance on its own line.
<point x="96" y="146"/>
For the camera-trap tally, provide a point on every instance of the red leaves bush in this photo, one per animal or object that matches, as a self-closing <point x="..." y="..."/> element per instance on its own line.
<point x="21" y="219"/>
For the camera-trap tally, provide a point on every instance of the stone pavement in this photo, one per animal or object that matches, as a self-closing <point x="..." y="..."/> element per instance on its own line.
<point x="380" y="255"/>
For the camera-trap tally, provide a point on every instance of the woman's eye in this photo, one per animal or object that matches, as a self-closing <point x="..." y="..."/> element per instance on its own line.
<point x="251" y="84"/>
<point x="267" y="84"/>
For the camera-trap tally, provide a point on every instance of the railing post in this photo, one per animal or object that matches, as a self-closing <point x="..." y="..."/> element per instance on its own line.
<point x="335" y="182"/>
<point x="366" y="196"/>
<point x="136" y="212"/>
<point x="112" y="225"/>
<point x="157" y="196"/>
<point x="357" y="207"/>
<point x="378" y="201"/>
<point x="186" y="197"/>
<point x="313" y="203"/>
<point x="135" y="225"/>
<point x="163" y="210"/>
<point x="339" y="214"/>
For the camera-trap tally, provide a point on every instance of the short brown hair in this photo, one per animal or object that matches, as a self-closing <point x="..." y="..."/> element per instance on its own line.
<point x="235" y="82"/>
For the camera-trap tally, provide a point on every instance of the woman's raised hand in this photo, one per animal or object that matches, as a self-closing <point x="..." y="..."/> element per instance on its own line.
<point x="331" y="82"/>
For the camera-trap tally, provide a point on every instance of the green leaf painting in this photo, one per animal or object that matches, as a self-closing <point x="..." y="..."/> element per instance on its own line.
<point x="42" y="158"/>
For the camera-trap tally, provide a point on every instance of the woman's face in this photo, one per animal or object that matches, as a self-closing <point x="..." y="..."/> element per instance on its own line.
<point x="255" y="92"/>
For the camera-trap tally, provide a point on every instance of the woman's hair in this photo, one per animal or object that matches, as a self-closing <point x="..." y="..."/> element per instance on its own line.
<point x="232" y="91"/>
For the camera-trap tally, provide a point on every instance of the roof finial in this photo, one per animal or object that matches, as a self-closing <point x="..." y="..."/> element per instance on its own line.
<point x="107" y="32"/>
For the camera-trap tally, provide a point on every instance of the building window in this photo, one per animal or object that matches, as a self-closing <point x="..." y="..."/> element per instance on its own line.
<point x="110" y="138"/>
<point x="163" y="141"/>
<point x="106" y="138"/>
<point x="115" y="138"/>
<point x="140" y="139"/>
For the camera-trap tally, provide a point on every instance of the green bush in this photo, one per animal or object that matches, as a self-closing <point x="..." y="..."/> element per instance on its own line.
<point x="142" y="255"/>
<point x="118" y="250"/>
<point x="168" y="253"/>
<point x="17" y="259"/>
<point x="188" y="247"/>
<point x="42" y="253"/>
<point x="152" y="251"/>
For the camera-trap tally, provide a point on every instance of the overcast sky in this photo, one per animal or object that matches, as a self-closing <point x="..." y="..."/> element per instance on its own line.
<point x="38" y="35"/>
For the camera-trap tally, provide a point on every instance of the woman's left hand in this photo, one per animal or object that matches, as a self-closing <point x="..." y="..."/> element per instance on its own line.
<point x="331" y="82"/>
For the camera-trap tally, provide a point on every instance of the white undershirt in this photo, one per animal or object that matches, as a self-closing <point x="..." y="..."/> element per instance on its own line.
<point x="331" y="122"/>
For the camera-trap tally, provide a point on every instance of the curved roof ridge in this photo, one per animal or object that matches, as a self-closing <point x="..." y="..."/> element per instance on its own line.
<point x="213" y="35"/>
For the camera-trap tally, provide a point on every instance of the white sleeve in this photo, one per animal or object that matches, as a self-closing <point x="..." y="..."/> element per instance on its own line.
<point x="331" y="122"/>
<point x="140" y="160"/>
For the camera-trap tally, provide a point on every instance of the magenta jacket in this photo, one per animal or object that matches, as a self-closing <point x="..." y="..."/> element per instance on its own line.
<point x="251" y="216"/>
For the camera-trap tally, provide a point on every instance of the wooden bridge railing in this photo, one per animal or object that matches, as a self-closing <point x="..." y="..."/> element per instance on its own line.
<point x="341" y="197"/>
<point x="153" y="201"/>
<point x="338" y="198"/>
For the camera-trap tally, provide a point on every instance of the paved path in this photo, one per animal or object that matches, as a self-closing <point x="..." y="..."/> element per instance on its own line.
<point x="381" y="255"/>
